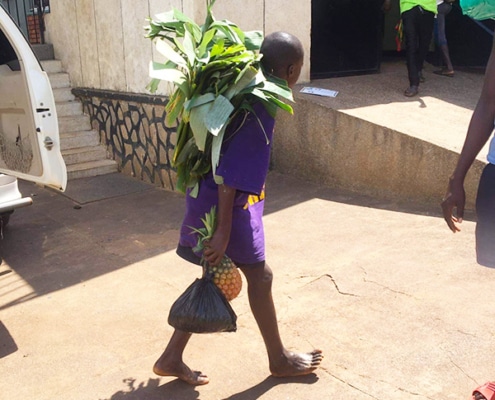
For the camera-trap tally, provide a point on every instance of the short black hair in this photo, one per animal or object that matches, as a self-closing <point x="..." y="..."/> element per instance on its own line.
<point x="280" y="49"/>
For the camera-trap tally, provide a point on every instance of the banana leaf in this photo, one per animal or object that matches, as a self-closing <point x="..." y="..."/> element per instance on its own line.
<point x="218" y="115"/>
<point x="216" y="71"/>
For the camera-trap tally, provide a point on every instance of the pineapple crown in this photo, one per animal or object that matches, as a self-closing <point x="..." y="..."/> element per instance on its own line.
<point x="206" y="232"/>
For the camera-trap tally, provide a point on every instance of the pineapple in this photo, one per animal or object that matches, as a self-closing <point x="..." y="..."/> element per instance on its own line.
<point x="226" y="275"/>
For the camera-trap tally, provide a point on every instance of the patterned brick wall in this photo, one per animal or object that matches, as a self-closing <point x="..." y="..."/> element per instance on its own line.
<point x="132" y="126"/>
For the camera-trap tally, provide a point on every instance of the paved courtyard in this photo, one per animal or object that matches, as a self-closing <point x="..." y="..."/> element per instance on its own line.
<point x="395" y="300"/>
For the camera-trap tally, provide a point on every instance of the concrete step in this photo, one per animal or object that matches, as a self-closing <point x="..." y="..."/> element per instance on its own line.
<point x="70" y="140"/>
<point x="80" y="145"/>
<point x="52" y="66"/>
<point x="44" y="51"/>
<point x="93" y="168"/>
<point x="63" y="94"/>
<point x="59" y="80"/>
<point x="84" y="154"/>
<point x="69" y="108"/>
<point x="74" y="123"/>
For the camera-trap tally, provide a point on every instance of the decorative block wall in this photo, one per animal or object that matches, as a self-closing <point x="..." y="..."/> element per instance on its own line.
<point x="133" y="128"/>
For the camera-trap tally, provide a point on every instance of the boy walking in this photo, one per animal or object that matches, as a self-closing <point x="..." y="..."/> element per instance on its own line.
<point x="243" y="167"/>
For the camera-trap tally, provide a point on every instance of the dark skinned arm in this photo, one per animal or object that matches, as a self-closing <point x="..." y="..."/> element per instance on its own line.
<point x="216" y="246"/>
<point x="479" y="131"/>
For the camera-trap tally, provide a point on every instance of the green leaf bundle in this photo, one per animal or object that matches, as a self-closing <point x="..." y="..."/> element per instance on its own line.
<point x="216" y="74"/>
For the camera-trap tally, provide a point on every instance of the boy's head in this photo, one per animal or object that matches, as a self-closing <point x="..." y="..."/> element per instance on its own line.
<point x="283" y="56"/>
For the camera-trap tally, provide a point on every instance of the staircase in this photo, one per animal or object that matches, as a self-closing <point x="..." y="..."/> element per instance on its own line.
<point x="82" y="151"/>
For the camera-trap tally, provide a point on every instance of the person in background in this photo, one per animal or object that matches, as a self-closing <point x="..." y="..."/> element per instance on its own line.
<point x="418" y="19"/>
<point x="443" y="7"/>
<point x="479" y="131"/>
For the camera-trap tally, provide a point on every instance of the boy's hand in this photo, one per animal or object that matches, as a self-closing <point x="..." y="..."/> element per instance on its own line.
<point x="215" y="248"/>
<point x="454" y="198"/>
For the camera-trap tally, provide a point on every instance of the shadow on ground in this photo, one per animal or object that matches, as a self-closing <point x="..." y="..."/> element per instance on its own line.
<point x="178" y="390"/>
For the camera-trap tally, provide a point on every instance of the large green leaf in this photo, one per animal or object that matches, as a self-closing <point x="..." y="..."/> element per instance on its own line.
<point x="206" y="43"/>
<point x="189" y="47"/>
<point x="198" y="116"/>
<point x="174" y="107"/>
<point x="199" y="100"/>
<point x="166" y="50"/>
<point x="166" y="73"/>
<point x="179" y="16"/>
<point x="216" y="148"/>
<point x="153" y="85"/>
<point x="283" y="91"/>
<point x="217" y="48"/>
<point x="253" y="40"/>
<point x="244" y="79"/>
<point x="228" y="31"/>
<point x="218" y="115"/>
<point x="165" y="17"/>
<point x="188" y="147"/>
<point x="275" y="101"/>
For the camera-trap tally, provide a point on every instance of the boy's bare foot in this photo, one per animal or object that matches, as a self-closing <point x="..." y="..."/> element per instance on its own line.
<point x="296" y="364"/>
<point x="183" y="372"/>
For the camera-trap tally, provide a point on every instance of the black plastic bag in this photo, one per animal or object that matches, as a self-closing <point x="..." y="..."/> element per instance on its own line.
<point x="202" y="308"/>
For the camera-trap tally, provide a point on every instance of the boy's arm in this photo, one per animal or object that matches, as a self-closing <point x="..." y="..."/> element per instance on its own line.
<point x="216" y="246"/>
<point x="479" y="131"/>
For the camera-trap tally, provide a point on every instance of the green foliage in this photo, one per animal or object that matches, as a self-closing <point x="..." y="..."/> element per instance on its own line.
<point x="206" y="232"/>
<point x="216" y="73"/>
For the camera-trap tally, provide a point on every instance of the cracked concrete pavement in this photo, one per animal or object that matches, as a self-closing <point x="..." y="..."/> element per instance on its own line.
<point x="394" y="299"/>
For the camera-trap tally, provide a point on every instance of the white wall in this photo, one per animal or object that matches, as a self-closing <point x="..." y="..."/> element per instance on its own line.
<point x="101" y="43"/>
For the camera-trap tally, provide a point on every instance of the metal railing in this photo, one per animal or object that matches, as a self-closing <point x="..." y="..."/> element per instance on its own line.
<point x="29" y="15"/>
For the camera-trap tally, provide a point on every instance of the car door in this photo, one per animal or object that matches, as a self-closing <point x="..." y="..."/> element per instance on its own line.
<point x="29" y="136"/>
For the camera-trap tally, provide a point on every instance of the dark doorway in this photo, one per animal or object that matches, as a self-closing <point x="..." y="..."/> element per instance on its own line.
<point x="346" y="37"/>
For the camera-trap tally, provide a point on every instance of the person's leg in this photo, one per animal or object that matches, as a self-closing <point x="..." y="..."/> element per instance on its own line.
<point x="441" y="39"/>
<point x="485" y="210"/>
<point x="170" y="362"/>
<point x="411" y="39"/>
<point x="281" y="361"/>
<point x="426" y="21"/>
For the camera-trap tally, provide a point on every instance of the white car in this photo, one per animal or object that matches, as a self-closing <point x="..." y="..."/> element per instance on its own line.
<point x="29" y="136"/>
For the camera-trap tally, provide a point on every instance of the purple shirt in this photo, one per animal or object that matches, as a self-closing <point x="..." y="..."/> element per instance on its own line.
<point x="244" y="163"/>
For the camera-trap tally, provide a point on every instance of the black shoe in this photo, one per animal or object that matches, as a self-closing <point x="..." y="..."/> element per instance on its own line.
<point x="411" y="91"/>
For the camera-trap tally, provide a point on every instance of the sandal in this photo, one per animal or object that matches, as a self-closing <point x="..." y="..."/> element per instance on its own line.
<point x="485" y="392"/>
<point x="445" y="72"/>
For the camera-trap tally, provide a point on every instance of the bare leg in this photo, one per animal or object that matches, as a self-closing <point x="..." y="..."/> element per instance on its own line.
<point x="446" y="57"/>
<point x="282" y="362"/>
<point x="170" y="362"/>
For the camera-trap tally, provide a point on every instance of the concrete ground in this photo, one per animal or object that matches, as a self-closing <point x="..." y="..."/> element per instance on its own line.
<point x="395" y="300"/>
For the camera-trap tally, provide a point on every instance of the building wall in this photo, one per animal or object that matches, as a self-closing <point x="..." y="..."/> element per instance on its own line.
<point x="101" y="43"/>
